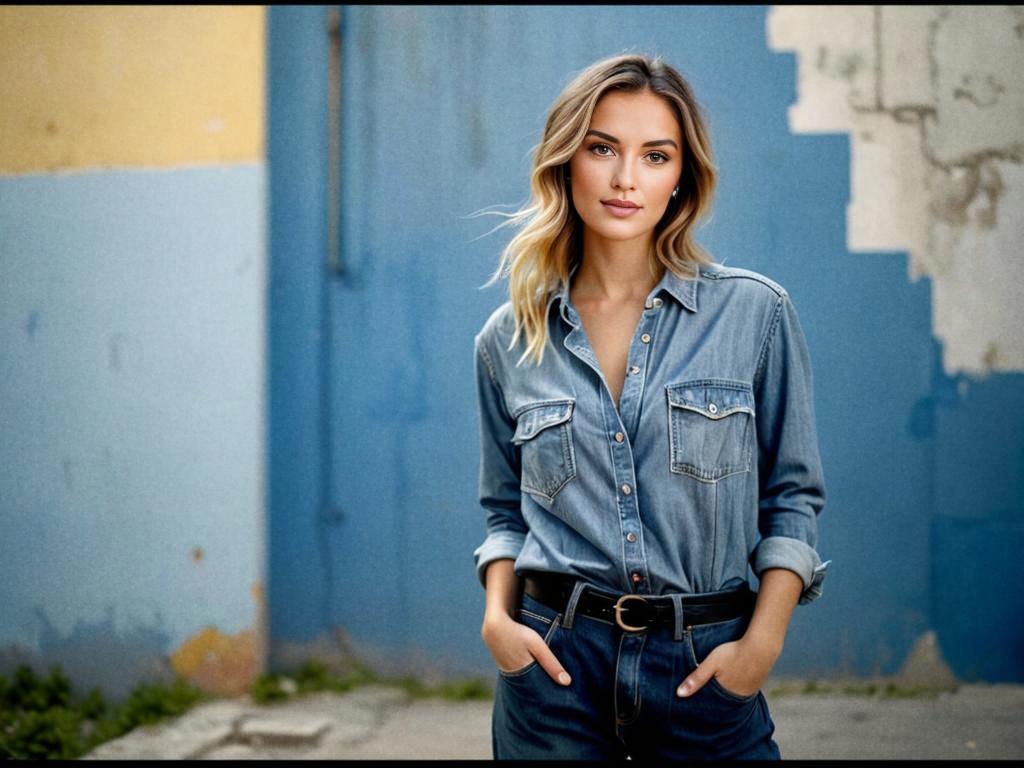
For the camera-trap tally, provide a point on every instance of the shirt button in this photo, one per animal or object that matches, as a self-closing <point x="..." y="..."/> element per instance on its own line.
<point x="635" y="369"/>
<point x="619" y="437"/>
<point x="712" y="407"/>
<point x="637" y="578"/>
<point x="657" y="302"/>
<point x="630" y="536"/>
<point x="646" y="338"/>
<point x="626" y="489"/>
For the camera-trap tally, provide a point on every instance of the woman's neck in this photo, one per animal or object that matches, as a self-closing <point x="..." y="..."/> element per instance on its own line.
<point x="614" y="271"/>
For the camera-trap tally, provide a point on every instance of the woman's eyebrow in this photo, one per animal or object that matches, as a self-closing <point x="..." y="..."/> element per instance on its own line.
<point x="613" y="140"/>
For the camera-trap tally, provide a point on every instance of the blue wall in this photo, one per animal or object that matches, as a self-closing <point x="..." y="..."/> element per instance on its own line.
<point x="374" y="513"/>
<point x="132" y="417"/>
<point x="299" y="579"/>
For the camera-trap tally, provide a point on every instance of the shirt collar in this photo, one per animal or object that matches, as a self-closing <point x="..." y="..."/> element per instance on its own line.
<point x="561" y="297"/>
<point x="682" y="290"/>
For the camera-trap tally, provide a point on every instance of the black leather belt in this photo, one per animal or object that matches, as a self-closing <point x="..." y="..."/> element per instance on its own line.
<point x="632" y="612"/>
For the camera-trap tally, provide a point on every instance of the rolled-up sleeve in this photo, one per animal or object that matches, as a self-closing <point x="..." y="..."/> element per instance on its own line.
<point x="499" y="470"/>
<point x="792" y="485"/>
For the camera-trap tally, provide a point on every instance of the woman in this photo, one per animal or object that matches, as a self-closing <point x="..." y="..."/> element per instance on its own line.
<point x="647" y="433"/>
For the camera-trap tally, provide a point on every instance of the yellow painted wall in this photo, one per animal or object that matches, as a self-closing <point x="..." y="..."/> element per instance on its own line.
<point x="102" y="86"/>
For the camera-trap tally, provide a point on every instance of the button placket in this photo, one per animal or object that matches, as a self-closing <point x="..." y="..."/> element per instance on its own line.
<point x="633" y="385"/>
<point x="625" y="470"/>
<point x="639" y="355"/>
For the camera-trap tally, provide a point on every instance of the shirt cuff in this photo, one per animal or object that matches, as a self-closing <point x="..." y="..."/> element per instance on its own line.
<point x="500" y="544"/>
<point x="794" y="555"/>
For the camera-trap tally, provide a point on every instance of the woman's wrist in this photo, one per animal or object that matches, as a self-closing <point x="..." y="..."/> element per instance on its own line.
<point x="767" y="648"/>
<point x="498" y="615"/>
<point x="776" y="599"/>
<point x="502" y="589"/>
<point x="494" y="622"/>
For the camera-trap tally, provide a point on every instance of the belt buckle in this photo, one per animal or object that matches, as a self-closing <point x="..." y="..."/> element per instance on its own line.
<point x="618" y="612"/>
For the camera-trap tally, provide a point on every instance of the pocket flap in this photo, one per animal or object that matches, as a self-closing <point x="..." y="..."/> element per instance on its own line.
<point x="536" y="418"/>
<point x="712" y="398"/>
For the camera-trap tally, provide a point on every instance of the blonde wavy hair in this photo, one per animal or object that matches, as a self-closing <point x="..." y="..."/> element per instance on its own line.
<point x="548" y="248"/>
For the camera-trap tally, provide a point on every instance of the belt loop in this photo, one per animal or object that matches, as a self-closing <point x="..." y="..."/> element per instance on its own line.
<point x="677" y="602"/>
<point x="574" y="598"/>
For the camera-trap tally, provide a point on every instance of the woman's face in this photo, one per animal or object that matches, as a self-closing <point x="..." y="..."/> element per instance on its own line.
<point x="631" y="153"/>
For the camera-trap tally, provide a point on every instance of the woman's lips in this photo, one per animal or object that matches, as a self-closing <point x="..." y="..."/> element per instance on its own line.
<point x="620" y="210"/>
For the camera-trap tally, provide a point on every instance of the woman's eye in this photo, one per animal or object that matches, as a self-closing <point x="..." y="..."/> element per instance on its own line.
<point x="659" y="158"/>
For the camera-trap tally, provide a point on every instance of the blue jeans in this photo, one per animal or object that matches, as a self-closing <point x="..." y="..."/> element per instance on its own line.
<point x="622" y="700"/>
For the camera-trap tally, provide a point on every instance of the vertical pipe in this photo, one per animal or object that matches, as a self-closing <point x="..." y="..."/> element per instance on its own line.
<point x="334" y="140"/>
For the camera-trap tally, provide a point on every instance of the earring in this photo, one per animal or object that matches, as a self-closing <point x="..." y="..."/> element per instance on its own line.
<point x="675" y="191"/>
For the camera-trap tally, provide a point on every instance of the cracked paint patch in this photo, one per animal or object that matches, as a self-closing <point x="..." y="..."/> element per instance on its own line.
<point x="220" y="663"/>
<point x="925" y="665"/>
<point x="216" y="662"/>
<point x="934" y="106"/>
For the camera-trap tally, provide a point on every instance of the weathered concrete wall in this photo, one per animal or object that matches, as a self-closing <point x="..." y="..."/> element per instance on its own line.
<point x="933" y="100"/>
<point x="132" y="326"/>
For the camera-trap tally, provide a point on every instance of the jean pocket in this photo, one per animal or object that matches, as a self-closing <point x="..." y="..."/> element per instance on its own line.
<point x="709" y="424"/>
<point x="544" y="435"/>
<point x="702" y="639"/>
<point x="542" y="620"/>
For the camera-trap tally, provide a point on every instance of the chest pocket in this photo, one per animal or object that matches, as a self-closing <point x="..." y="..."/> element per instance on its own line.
<point x="710" y="423"/>
<point x="544" y="433"/>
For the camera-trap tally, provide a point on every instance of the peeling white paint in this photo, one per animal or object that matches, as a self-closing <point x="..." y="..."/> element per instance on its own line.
<point x="925" y="664"/>
<point x="933" y="102"/>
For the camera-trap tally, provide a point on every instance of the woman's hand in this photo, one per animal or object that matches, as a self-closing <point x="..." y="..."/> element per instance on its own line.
<point x="514" y="645"/>
<point x="740" y="666"/>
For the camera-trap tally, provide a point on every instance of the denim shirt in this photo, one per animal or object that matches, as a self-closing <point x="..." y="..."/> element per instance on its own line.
<point x="709" y="465"/>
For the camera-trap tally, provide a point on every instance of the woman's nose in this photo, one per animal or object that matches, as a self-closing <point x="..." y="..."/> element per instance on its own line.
<point x="623" y="178"/>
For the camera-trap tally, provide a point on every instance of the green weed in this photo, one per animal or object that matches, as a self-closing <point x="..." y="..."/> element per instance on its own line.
<point x="41" y="719"/>
<point x="883" y="689"/>
<point x="315" y="676"/>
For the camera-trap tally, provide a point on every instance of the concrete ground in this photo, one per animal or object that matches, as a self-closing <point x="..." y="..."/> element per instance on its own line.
<point x="378" y="722"/>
